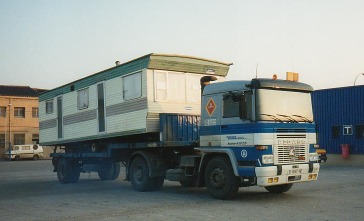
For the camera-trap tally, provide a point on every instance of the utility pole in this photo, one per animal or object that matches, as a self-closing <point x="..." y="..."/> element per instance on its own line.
<point x="9" y="142"/>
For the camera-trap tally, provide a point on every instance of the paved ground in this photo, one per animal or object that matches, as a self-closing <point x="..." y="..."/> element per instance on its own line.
<point x="29" y="190"/>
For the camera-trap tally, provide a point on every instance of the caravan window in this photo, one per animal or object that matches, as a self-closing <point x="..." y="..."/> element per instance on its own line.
<point x="132" y="86"/>
<point x="176" y="87"/>
<point x="49" y="106"/>
<point x="82" y="99"/>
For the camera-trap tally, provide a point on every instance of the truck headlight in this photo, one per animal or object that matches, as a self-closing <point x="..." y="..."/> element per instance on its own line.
<point x="314" y="157"/>
<point x="267" y="159"/>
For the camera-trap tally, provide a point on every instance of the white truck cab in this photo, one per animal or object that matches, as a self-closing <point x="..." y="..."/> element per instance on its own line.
<point x="26" y="151"/>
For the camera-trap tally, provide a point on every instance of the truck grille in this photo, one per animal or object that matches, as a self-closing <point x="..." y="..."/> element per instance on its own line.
<point x="287" y="154"/>
<point x="290" y="147"/>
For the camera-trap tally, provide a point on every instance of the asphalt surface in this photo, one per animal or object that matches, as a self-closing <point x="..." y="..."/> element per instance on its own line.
<point x="29" y="190"/>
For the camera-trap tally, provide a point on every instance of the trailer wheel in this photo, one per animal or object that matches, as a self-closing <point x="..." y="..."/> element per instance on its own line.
<point x="279" y="188"/>
<point x="67" y="171"/>
<point x="75" y="172"/>
<point x="220" y="180"/>
<point x="111" y="171"/>
<point x="139" y="175"/>
<point x="63" y="171"/>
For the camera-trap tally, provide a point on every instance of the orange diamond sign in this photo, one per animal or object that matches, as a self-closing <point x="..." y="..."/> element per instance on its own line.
<point x="210" y="107"/>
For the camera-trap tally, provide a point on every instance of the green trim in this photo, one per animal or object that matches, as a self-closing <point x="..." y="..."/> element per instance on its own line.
<point x="90" y="138"/>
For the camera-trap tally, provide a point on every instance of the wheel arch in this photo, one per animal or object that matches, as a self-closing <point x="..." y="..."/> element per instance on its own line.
<point x="208" y="154"/>
<point x="156" y="164"/>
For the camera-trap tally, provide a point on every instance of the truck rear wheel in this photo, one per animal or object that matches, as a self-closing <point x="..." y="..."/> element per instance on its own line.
<point x="220" y="180"/>
<point x="279" y="188"/>
<point x="110" y="171"/>
<point x="139" y="175"/>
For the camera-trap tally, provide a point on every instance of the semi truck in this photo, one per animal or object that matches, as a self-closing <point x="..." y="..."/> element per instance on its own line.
<point x="174" y="117"/>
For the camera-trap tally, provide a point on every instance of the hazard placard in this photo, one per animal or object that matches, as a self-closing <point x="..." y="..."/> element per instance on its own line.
<point x="210" y="107"/>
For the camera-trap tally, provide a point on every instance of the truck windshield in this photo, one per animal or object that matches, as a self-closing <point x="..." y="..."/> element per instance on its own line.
<point x="283" y="106"/>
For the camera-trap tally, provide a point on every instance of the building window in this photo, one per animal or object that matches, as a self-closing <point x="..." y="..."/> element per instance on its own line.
<point x="35" y="138"/>
<point x="347" y="130"/>
<point x="2" y="140"/>
<point x="335" y="132"/>
<point x="132" y="86"/>
<point x="2" y="111"/>
<point x="19" y="139"/>
<point x="35" y="112"/>
<point x="19" y="112"/>
<point x="82" y="99"/>
<point x="49" y="107"/>
<point x="359" y="131"/>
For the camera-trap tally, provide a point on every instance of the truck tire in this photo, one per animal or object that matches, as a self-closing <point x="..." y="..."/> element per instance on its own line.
<point x="110" y="171"/>
<point x="75" y="171"/>
<point x="67" y="171"/>
<point x="220" y="179"/>
<point x="157" y="183"/>
<point x="279" y="188"/>
<point x="139" y="175"/>
<point x="63" y="171"/>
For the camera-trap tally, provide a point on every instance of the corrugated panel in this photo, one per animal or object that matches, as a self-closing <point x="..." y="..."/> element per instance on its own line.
<point x="176" y="127"/>
<point x="339" y="107"/>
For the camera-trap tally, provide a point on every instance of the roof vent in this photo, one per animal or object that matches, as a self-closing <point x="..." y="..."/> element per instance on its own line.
<point x="117" y="63"/>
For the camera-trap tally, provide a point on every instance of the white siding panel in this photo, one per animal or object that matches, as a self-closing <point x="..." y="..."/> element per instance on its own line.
<point x="83" y="129"/>
<point x="125" y="122"/>
<point x="48" y="135"/>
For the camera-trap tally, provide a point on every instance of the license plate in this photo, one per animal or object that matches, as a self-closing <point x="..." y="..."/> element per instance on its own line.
<point x="295" y="171"/>
<point x="294" y="178"/>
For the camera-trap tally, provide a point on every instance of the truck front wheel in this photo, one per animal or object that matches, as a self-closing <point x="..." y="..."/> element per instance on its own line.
<point x="220" y="180"/>
<point x="279" y="188"/>
<point x="139" y="175"/>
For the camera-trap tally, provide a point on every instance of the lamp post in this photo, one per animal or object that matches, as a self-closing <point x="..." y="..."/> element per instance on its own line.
<point x="9" y="142"/>
<point x="357" y="77"/>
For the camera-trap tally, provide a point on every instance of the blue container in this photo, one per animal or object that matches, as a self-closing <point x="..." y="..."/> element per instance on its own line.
<point x="179" y="127"/>
<point x="339" y="115"/>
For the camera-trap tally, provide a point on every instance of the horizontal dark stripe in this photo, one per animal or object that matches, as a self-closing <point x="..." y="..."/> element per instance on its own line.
<point x="127" y="107"/>
<point x="47" y="124"/>
<point x="80" y="117"/>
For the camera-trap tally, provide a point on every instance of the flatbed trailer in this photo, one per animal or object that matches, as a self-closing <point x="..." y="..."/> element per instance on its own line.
<point x="163" y="118"/>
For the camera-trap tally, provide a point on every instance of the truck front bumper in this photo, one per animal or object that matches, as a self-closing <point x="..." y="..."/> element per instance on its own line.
<point x="277" y="175"/>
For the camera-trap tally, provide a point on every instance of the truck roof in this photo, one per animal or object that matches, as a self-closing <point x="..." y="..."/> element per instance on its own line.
<point x="225" y="87"/>
<point x="257" y="83"/>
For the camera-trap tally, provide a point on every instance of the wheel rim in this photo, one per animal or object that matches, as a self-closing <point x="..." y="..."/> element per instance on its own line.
<point x="138" y="174"/>
<point x="218" y="178"/>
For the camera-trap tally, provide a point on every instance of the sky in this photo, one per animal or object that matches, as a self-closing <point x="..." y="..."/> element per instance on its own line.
<point x="46" y="44"/>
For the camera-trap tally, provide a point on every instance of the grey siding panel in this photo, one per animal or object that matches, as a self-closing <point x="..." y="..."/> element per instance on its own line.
<point x="80" y="117"/>
<point x="126" y="107"/>
<point x="47" y="124"/>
